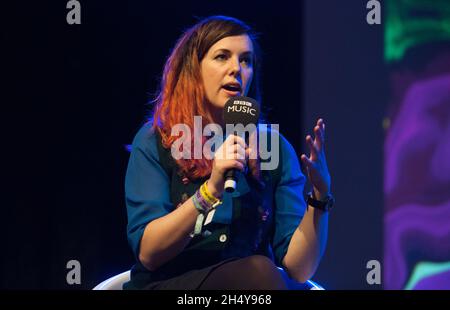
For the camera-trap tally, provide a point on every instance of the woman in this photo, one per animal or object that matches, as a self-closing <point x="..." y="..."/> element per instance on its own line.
<point x="185" y="232"/>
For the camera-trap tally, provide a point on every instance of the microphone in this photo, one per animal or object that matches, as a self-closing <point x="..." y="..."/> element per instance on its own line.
<point x="238" y="110"/>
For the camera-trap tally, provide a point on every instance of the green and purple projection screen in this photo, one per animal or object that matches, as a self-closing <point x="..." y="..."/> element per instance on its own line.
<point x="417" y="146"/>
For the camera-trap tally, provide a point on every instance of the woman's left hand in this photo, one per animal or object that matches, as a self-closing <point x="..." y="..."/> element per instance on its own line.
<point x="316" y="164"/>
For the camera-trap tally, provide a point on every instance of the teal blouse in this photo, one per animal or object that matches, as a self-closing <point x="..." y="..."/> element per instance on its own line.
<point x="255" y="219"/>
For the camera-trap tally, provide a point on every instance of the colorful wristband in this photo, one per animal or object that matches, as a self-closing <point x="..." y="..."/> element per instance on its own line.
<point x="204" y="202"/>
<point x="213" y="201"/>
<point x="200" y="203"/>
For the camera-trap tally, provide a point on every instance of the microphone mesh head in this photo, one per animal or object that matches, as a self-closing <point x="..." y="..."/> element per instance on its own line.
<point x="241" y="110"/>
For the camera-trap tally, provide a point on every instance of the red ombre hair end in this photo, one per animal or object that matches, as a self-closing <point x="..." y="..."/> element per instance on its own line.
<point x="182" y="95"/>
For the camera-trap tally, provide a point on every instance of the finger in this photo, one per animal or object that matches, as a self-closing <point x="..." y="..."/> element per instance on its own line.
<point x="312" y="148"/>
<point x="251" y="153"/>
<point x="240" y="151"/>
<point x="235" y="151"/>
<point x="233" y="162"/>
<point x="321" y="125"/>
<point x="238" y="165"/>
<point x="229" y="146"/>
<point x="253" y="141"/>
<point x="318" y="138"/>
<point x="253" y="136"/>
<point x="306" y="161"/>
<point x="242" y="161"/>
<point x="234" y="139"/>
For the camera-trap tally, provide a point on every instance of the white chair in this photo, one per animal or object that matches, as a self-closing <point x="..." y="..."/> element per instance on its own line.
<point x="116" y="282"/>
<point x="314" y="286"/>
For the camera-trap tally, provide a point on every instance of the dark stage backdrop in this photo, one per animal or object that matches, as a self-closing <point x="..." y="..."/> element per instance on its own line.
<point x="344" y="80"/>
<point x="75" y="95"/>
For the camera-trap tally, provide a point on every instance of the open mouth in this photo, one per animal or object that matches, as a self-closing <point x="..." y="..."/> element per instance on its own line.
<point x="232" y="88"/>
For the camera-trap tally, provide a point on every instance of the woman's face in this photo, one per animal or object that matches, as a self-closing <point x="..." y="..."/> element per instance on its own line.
<point x="227" y="69"/>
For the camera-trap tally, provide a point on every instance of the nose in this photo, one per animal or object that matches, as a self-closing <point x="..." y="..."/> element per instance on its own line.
<point x="235" y="67"/>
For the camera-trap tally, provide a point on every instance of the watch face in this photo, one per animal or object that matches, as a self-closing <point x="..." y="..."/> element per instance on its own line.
<point x="330" y="203"/>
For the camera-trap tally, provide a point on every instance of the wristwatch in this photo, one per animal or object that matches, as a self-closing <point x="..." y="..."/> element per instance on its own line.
<point x="324" y="205"/>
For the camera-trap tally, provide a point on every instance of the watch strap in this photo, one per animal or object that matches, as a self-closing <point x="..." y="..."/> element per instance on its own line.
<point x="324" y="205"/>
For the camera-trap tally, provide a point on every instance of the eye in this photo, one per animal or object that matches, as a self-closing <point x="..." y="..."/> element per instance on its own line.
<point x="247" y="61"/>
<point x="221" y="57"/>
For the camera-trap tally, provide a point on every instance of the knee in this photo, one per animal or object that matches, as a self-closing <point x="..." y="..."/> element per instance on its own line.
<point x="261" y="264"/>
<point x="266" y="272"/>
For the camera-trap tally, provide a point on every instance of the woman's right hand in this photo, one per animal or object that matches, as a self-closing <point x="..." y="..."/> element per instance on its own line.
<point x="232" y="154"/>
